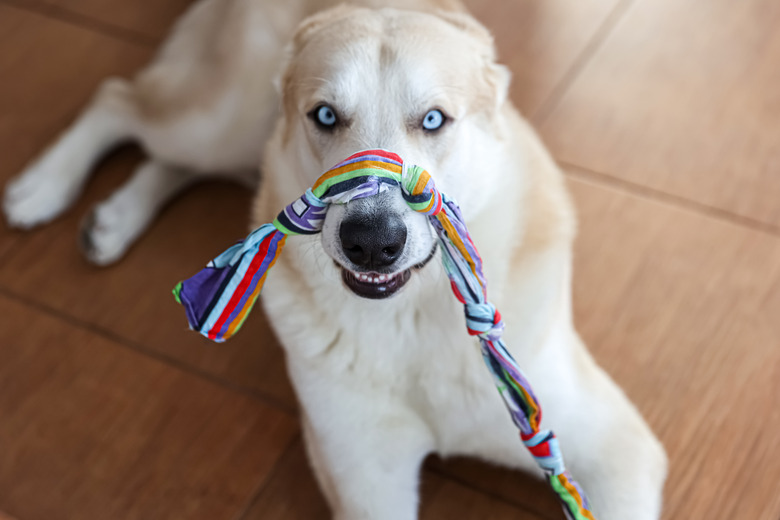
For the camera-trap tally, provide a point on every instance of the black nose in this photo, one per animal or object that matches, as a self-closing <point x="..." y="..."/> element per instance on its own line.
<point x="373" y="242"/>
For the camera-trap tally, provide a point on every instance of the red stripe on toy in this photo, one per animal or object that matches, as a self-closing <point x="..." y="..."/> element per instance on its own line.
<point x="540" y="450"/>
<point x="257" y="261"/>
<point x="456" y="292"/>
<point x="377" y="153"/>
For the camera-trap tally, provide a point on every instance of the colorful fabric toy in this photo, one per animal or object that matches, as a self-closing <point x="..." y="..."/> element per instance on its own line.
<point x="218" y="299"/>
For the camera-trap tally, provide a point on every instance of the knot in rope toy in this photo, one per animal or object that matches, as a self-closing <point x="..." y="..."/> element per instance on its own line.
<point x="218" y="298"/>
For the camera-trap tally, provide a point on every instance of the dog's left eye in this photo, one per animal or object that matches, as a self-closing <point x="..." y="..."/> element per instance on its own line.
<point x="325" y="117"/>
<point x="433" y="120"/>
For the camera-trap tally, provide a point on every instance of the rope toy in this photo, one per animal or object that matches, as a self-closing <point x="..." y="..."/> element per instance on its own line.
<point x="218" y="299"/>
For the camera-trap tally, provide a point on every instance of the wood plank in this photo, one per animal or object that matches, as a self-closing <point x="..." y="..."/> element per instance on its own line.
<point x="445" y="499"/>
<point x="145" y="22"/>
<point x="94" y="430"/>
<point x="683" y="98"/>
<point x="540" y="41"/>
<point x="527" y="491"/>
<point x="293" y="494"/>
<point x="681" y="310"/>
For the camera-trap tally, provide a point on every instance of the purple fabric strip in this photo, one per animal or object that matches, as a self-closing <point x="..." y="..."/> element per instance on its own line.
<point x="200" y="291"/>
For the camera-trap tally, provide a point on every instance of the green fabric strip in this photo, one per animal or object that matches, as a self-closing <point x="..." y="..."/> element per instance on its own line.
<point x="176" y="291"/>
<point x="278" y="225"/>
<point x="565" y="496"/>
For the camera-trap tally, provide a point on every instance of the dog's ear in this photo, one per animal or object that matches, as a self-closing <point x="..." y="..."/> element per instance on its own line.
<point x="497" y="76"/>
<point x="468" y="24"/>
<point x="316" y="21"/>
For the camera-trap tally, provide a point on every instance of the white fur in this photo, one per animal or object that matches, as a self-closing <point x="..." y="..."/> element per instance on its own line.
<point x="381" y="383"/>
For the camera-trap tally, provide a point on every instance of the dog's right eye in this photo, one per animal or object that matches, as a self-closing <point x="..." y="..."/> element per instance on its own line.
<point x="324" y="116"/>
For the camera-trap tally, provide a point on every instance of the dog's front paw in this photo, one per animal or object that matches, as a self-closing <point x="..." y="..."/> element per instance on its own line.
<point x="107" y="232"/>
<point x="35" y="198"/>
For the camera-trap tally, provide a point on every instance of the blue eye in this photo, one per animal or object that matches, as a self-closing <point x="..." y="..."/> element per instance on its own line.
<point x="325" y="116"/>
<point x="433" y="120"/>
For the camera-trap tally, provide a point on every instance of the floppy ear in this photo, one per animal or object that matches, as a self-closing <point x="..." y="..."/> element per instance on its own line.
<point x="468" y="24"/>
<point x="497" y="76"/>
<point x="313" y="23"/>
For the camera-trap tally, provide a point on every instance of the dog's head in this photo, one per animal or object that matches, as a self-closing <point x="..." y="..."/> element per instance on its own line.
<point x="425" y="86"/>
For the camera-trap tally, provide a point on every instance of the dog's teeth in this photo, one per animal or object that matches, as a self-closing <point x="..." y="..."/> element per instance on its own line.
<point x="380" y="278"/>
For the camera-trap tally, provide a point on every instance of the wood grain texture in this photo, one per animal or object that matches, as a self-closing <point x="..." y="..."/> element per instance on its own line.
<point x="292" y="493"/>
<point x="681" y="310"/>
<point x="93" y="430"/>
<point x="145" y="23"/>
<point x="444" y="499"/>
<point x="540" y="41"/>
<point x="684" y="98"/>
<point x="527" y="491"/>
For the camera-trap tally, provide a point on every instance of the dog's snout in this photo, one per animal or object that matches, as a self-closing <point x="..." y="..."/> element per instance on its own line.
<point x="373" y="243"/>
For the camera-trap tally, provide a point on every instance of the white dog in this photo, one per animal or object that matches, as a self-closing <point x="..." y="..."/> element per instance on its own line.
<point x="382" y="381"/>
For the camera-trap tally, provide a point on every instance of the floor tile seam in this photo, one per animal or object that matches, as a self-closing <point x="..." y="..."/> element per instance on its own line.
<point x="262" y="486"/>
<point x="446" y="475"/>
<point x="82" y="21"/>
<point x="581" y="61"/>
<point x="147" y="352"/>
<point x="668" y="199"/>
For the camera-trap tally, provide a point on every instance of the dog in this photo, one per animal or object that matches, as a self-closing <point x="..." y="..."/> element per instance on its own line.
<point x="375" y="343"/>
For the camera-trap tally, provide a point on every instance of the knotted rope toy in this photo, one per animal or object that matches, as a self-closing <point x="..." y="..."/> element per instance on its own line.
<point x="218" y="298"/>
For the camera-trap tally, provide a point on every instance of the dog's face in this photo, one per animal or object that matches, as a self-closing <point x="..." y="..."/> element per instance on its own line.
<point x="421" y="85"/>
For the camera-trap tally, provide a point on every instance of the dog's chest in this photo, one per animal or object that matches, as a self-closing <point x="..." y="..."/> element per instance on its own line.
<point x="412" y="350"/>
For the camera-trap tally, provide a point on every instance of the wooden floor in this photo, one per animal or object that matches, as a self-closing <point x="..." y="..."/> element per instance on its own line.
<point x="665" y="115"/>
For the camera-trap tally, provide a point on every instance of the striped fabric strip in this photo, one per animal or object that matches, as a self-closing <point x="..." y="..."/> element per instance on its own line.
<point x="218" y="299"/>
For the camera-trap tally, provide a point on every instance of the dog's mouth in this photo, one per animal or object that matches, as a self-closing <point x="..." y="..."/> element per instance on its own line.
<point x="375" y="286"/>
<point x="378" y="286"/>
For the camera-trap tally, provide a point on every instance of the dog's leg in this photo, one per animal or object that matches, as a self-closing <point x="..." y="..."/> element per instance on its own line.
<point x="52" y="182"/>
<point x="114" y="224"/>
<point x="365" y="449"/>
<point x="609" y="448"/>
